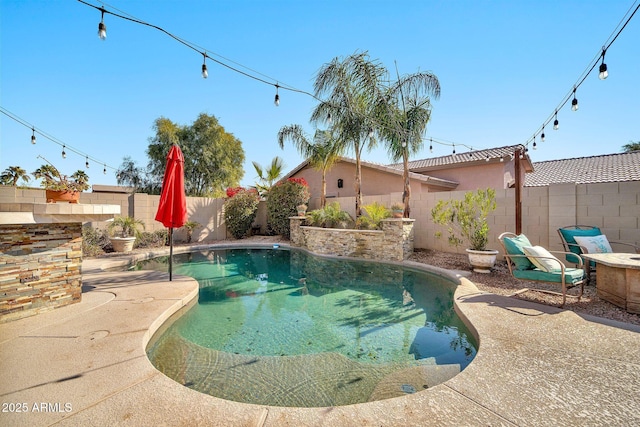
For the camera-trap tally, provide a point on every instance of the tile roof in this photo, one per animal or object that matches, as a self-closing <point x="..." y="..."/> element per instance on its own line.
<point x="459" y="159"/>
<point x="586" y="170"/>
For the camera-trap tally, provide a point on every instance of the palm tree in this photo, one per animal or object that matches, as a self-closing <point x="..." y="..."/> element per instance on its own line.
<point x="269" y="176"/>
<point x="351" y="86"/>
<point x="631" y="146"/>
<point x="13" y="174"/>
<point x="322" y="153"/>
<point x="404" y="111"/>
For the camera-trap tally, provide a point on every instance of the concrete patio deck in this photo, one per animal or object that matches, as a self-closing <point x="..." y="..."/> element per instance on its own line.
<point x="85" y="364"/>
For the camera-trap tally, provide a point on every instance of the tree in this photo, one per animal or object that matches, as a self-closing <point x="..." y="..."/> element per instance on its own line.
<point x="322" y="153"/>
<point x="269" y="176"/>
<point x="131" y="175"/>
<point x="13" y="174"/>
<point x="213" y="158"/>
<point x="404" y="111"/>
<point x="631" y="146"/>
<point x="352" y="86"/>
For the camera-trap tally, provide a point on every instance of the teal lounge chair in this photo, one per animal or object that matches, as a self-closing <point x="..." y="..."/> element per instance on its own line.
<point x="528" y="262"/>
<point x="568" y="237"/>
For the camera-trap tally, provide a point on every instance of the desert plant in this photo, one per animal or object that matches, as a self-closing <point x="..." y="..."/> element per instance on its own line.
<point x="189" y="226"/>
<point x="375" y="212"/>
<point x="240" y="211"/>
<point x="125" y="226"/>
<point x="153" y="239"/>
<point x="466" y="219"/>
<point x="282" y="202"/>
<point x="94" y="241"/>
<point x="52" y="179"/>
<point x="331" y="216"/>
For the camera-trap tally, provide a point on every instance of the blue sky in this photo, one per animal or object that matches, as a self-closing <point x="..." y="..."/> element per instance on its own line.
<point x="504" y="66"/>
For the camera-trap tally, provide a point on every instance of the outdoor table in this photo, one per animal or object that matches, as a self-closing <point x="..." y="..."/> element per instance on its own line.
<point x="618" y="279"/>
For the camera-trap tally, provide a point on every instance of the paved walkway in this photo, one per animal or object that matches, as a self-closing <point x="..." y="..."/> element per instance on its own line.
<point x="85" y="365"/>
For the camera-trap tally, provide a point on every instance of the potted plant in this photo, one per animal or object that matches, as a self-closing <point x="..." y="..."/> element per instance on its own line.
<point x="123" y="232"/>
<point x="59" y="187"/>
<point x="397" y="210"/>
<point x="302" y="210"/>
<point x="466" y="220"/>
<point x="190" y="226"/>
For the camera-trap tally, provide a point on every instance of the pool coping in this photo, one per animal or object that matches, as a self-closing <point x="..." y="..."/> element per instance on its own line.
<point x="536" y="365"/>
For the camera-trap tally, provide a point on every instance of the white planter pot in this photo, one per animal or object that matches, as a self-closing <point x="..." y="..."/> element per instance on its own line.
<point x="122" y="244"/>
<point x="482" y="261"/>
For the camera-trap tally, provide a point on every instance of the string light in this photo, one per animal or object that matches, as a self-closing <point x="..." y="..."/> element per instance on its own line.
<point x="276" y="100"/>
<point x="556" y="123"/>
<point x="33" y="135"/>
<point x="104" y="171"/>
<point x="534" y="142"/>
<point x="205" y="73"/>
<point x="454" y="149"/>
<point x="431" y="145"/>
<point x="603" y="74"/>
<point x="86" y="163"/>
<point x="542" y="135"/>
<point x="102" y="29"/>
<point x="64" y="153"/>
<point x="574" y="103"/>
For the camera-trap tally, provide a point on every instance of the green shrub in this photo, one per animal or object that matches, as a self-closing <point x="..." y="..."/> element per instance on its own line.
<point x="331" y="216"/>
<point x="240" y="211"/>
<point x="282" y="202"/>
<point x="376" y="212"/>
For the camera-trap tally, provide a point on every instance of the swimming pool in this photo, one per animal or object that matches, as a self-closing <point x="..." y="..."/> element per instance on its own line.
<point x="287" y="328"/>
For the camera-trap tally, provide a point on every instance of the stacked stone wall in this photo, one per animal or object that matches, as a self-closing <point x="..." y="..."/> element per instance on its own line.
<point x="40" y="268"/>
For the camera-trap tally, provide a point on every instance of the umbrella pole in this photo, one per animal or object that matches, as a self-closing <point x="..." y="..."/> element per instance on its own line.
<point x="170" y="254"/>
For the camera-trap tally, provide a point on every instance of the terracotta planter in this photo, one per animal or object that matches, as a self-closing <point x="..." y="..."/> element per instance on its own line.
<point x="54" y="196"/>
<point x="397" y="213"/>
<point x="482" y="261"/>
<point x="122" y="244"/>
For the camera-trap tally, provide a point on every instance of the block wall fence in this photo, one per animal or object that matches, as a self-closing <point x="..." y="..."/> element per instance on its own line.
<point x="614" y="207"/>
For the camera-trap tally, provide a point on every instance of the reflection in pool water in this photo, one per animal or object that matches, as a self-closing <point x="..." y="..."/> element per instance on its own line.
<point x="286" y="328"/>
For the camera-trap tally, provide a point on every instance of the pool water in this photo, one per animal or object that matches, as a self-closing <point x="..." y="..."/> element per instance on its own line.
<point x="286" y="328"/>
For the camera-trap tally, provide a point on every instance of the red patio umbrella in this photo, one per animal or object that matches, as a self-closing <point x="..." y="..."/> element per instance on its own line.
<point x="172" y="209"/>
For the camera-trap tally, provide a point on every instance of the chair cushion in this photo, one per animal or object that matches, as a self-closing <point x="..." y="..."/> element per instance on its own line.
<point x="513" y="246"/>
<point x="572" y="275"/>
<point x="569" y="235"/>
<point x="594" y="245"/>
<point x="548" y="263"/>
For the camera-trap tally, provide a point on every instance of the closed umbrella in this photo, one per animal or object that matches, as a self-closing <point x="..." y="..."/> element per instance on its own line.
<point x="172" y="209"/>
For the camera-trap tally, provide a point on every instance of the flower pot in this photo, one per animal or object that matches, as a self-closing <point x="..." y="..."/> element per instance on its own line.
<point x="122" y="244"/>
<point x="54" y="196"/>
<point x="397" y="213"/>
<point x="482" y="261"/>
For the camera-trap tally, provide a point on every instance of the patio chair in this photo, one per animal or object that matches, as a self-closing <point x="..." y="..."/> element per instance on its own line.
<point x="591" y="240"/>
<point x="528" y="262"/>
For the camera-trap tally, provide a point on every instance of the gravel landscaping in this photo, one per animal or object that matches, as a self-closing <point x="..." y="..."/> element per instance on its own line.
<point x="499" y="281"/>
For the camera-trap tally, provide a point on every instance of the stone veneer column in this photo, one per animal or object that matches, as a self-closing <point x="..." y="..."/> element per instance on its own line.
<point x="296" y="236"/>
<point x="398" y="237"/>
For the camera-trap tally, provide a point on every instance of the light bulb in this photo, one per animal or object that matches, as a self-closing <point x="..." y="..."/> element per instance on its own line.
<point x="542" y="136"/>
<point x="276" y="101"/>
<point x="86" y="163"/>
<point x="603" y="71"/>
<point x="404" y="144"/>
<point x="534" y="143"/>
<point x="33" y="136"/>
<point x="104" y="171"/>
<point x="574" y="104"/>
<point x="205" y="73"/>
<point x="102" y="29"/>
<point x="487" y="158"/>
<point x="64" y="154"/>
<point x="556" y="123"/>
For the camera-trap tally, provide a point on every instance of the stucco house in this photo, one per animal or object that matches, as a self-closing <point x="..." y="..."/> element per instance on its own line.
<point x="494" y="167"/>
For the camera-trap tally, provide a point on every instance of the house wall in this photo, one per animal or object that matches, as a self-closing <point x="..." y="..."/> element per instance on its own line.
<point x="374" y="182"/>
<point x="494" y="174"/>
